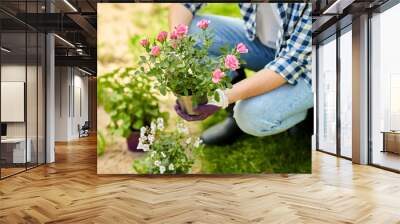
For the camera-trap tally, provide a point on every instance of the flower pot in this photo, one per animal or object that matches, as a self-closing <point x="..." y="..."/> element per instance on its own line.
<point x="132" y="141"/>
<point x="188" y="105"/>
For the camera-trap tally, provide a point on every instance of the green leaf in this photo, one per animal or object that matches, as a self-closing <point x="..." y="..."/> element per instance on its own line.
<point x="138" y="124"/>
<point x="101" y="143"/>
<point x="216" y="97"/>
<point x="163" y="91"/>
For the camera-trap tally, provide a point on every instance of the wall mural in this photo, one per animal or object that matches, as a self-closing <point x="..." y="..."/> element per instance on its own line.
<point x="176" y="98"/>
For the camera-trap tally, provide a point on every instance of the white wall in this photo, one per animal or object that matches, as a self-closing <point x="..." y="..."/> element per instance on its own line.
<point x="33" y="126"/>
<point x="81" y="82"/>
<point x="12" y="73"/>
<point x="70" y="83"/>
<point x="62" y="81"/>
<point x="13" y="101"/>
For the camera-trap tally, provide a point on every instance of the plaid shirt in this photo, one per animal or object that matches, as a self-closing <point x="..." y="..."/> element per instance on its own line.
<point x="293" y="55"/>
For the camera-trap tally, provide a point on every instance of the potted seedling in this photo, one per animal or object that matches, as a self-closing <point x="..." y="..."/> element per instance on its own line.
<point x="130" y="101"/>
<point x="181" y="64"/>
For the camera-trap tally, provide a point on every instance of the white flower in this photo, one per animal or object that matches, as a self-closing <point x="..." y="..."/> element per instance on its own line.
<point x="162" y="169"/>
<point x="171" y="166"/>
<point x="153" y="127"/>
<point x="163" y="154"/>
<point x="182" y="128"/>
<point x="143" y="131"/>
<point x="146" y="147"/>
<point x="151" y="139"/>
<point x="157" y="163"/>
<point x="160" y="123"/>
<point x="190" y="71"/>
<point x="142" y="139"/>
<point x="197" y="143"/>
<point x="188" y="141"/>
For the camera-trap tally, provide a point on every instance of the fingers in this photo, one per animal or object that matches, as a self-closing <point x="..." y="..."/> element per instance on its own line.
<point x="206" y="109"/>
<point x="179" y="111"/>
<point x="201" y="109"/>
<point x="185" y="116"/>
<point x="195" y="118"/>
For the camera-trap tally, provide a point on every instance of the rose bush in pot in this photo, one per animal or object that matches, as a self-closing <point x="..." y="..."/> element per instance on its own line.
<point x="181" y="64"/>
<point x="130" y="101"/>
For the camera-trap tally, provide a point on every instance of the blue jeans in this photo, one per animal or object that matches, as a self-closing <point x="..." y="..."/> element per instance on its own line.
<point x="272" y="112"/>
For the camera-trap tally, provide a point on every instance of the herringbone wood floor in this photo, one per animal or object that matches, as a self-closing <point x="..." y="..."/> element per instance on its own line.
<point x="69" y="191"/>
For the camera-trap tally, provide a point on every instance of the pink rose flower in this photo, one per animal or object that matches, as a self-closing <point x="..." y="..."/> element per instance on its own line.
<point x="173" y="44"/>
<point x="231" y="62"/>
<point x="162" y="36"/>
<point x="144" y="42"/>
<point x="173" y="35"/>
<point x="155" y="51"/>
<point x="217" y="75"/>
<point x="181" y="30"/>
<point x="203" y="24"/>
<point x="241" y="48"/>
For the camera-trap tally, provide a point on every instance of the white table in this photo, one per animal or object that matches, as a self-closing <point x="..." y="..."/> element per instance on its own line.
<point x="19" y="155"/>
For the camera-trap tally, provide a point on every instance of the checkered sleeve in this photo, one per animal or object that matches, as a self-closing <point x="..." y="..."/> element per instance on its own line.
<point x="194" y="7"/>
<point x="293" y="59"/>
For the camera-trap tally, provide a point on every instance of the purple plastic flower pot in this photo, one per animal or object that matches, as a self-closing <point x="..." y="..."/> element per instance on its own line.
<point x="133" y="141"/>
<point x="186" y="103"/>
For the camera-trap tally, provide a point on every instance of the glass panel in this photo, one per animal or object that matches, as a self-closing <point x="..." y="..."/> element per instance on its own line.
<point x="31" y="88"/>
<point x="327" y="97"/>
<point x="346" y="94"/>
<point x="13" y="86"/>
<point x="41" y="99"/>
<point x="31" y="97"/>
<point x="23" y="86"/>
<point x="385" y="84"/>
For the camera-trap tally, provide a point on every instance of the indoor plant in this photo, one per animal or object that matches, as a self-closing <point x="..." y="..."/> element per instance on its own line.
<point x="130" y="101"/>
<point x="168" y="152"/>
<point x="181" y="64"/>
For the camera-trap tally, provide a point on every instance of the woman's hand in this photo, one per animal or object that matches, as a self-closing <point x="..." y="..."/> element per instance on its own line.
<point x="204" y="111"/>
<point x="261" y="82"/>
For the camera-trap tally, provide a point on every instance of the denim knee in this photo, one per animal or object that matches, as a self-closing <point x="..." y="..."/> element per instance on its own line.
<point x="192" y="27"/>
<point x="251" y="119"/>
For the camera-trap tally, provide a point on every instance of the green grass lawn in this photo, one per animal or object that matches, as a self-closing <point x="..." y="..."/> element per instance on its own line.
<point x="281" y="153"/>
<point x="222" y="9"/>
